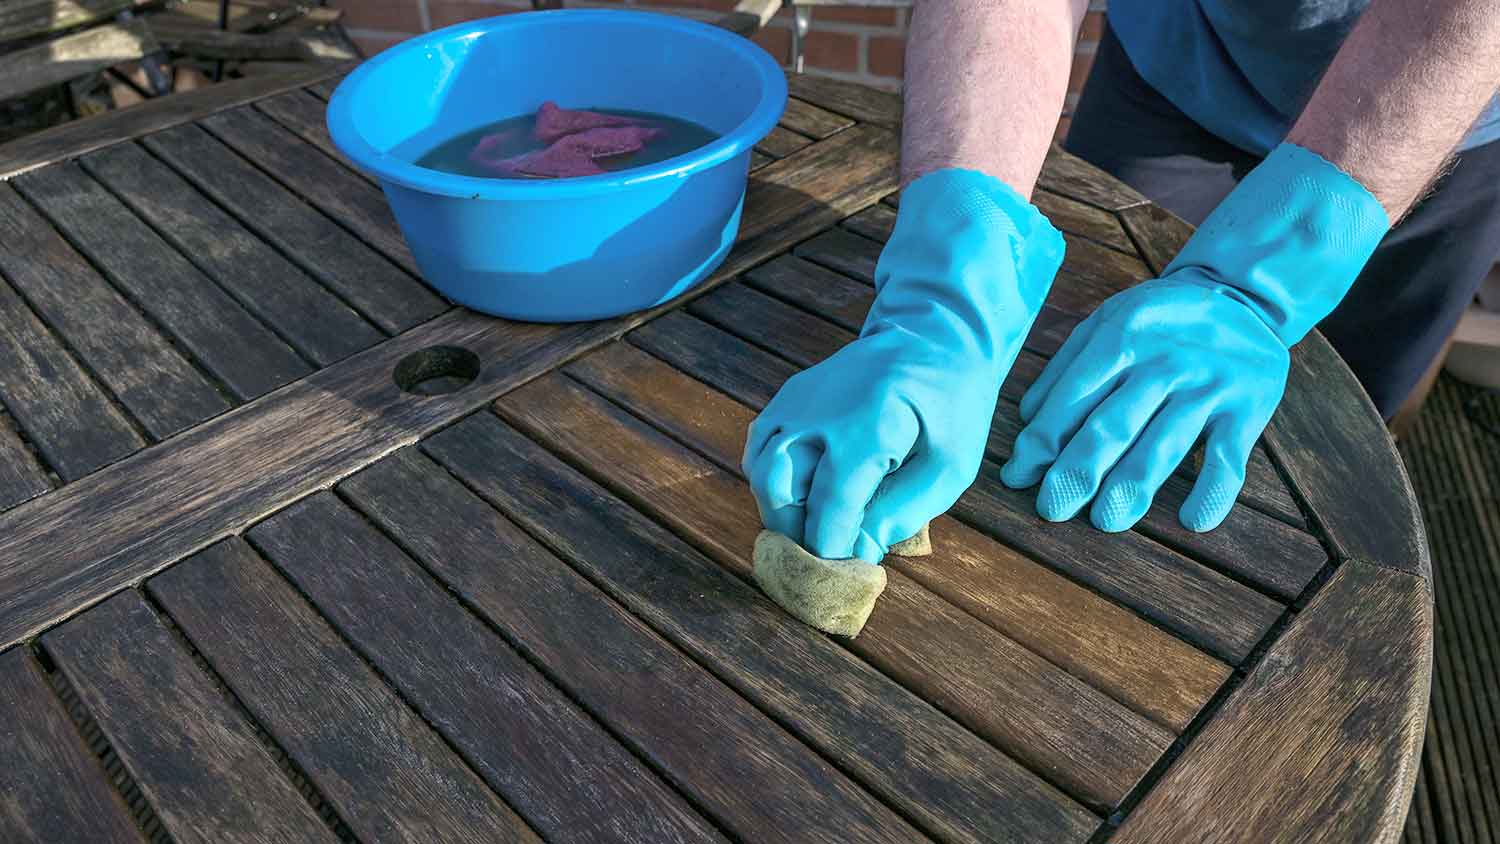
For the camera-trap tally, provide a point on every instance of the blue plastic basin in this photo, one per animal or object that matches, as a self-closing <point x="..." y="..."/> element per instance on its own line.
<point x="565" y="249"/>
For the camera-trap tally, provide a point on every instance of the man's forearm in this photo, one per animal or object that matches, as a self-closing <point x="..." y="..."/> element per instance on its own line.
<point x="1401" y="93"/>
<point x="985" y="82"/>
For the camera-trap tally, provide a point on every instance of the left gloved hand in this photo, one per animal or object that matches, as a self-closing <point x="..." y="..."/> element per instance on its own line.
<point x="1203" y="349"/>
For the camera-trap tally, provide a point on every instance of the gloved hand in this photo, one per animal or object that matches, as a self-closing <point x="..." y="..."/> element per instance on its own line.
<point x="1203" y="349"/>
<point x="862" y="450"/>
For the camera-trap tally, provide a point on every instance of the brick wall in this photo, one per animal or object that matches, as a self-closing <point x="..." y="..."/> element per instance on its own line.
<point x="858" y="44"/>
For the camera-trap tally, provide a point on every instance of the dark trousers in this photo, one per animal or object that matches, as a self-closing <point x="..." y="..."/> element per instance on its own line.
<point x="1410" y="295"/>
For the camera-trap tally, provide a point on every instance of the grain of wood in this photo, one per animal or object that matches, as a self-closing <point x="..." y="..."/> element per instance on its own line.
<point x="1029" y="708"/>
<point x="333" y="189"/>
<point x="193" y="755"/>
<point x="1067" y="174"/>
<point x="70" y="420"/>
<point x="382" y="292"/>
<point x="859" y="102"/>
<point x="311" y="318"/>
<point x="21" y="476"/>
<point x="560" y="770"/>
<point x="159" y="386"/>
<point x="80" y="136"/>
<point x="61" y="59"/>
<point x="754" y="778"/>
<point x="22" y="18"/>
<point x="1094" y="639"/>
<point x="202" y="43"/>
<point x="1158" y="234"/>
<point x="1322" y="740"/>
<point x="227" y="340"/>
<point x="807" y="119"/>
<point x="758" y="160"/>
<point x="390" y="776"/>
<point x="51" y="787"/>
<point x="304" y="114"/>
<point x="782" y="142"/>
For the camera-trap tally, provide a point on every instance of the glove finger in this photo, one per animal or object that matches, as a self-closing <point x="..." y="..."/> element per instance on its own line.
<point x="1130" y="486"/>
<point x="1104" y="438"/>
<point x="1036" y="395"/>
<point x="1226" y="452"/>
<point x="1059" y="418"/>
<point x="841" y="489"/>
<point x="782" y="475"/>
<point x="916" y="493"/>
<point x="757" y="436"/>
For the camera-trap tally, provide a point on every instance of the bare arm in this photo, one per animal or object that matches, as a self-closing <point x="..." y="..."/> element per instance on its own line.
<point x="1402" y="91"/>
<point x="985" y="82"/>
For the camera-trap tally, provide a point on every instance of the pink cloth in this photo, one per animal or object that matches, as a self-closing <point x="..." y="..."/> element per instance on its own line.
<point x="553" y="123"/>
<point x="571" y="155"/>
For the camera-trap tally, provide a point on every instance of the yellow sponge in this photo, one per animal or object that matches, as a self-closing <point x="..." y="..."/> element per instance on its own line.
<point x="919" y="545"/>
<point x="835" y="596"/>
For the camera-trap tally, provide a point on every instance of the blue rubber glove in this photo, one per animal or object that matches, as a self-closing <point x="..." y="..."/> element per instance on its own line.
<point x="1201" y="350"/>
<point x="862" y="450"/>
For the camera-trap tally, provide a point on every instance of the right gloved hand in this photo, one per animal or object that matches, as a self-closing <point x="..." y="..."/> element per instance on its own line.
<point x="862" y="450"/>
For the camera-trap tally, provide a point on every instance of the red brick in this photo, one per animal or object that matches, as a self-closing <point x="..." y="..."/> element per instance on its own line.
<point x="777" y="42"/>
<point x="850" y="14"/>
<point x="831" y="51"/>
<point x="389" y="15"/>
<point x="449" y="12"/>
<point x="887" y="55"/>
<point x="1093" y="27"/>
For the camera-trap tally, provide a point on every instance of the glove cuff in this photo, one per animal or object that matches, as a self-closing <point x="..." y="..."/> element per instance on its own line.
<point x="1291" y="239"/>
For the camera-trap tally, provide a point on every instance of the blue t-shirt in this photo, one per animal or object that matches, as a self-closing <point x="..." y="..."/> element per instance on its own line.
<point x="1243" y="69"/>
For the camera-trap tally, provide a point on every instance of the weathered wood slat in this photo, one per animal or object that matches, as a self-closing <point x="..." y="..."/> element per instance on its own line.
<point x="324" y="88"/>
<point x="535" y="748"/>
<point x="947" y="779"/>
<point x="758" y="160"/>
<point x="383" y="293"/>
<point x="859" y="102"/>
<point x="312" y="319"/>
<point x="782" y="142"/>
<point x="303" y="113"/>
<point x="1321" y="741"/>
<point x="71" y="421"/>
<point x="21" y="477"/>
<point x="54" y="788"/>
<point x="807" y="119"/>
<point x="80" y="136"/>
<point x="153" y="380"/>
<point x="1026" y="706"/>
<point x="754" y="778"/>
<point x="1071" y="176"/>
<point x="204" y="43"/>
<point x="61" y="59"/>
<point x="1093" y="639"/>
<point x="339" y="193"/>
<point x="1376" y="522"/>
<point x="230" y="343"/>
<point x="1158" y="233"/>
<point x="386" y="771"/>
<point x="22" y="18"/>
<point x="197" y="760"/>
<point x="319" y="429"/>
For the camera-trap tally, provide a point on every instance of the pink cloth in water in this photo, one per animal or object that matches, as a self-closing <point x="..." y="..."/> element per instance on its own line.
<point x="553" y="123"/>
<point x="571" y="155"/>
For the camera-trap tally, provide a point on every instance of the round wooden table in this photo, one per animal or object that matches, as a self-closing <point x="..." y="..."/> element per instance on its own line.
<point x="252" y="588"/>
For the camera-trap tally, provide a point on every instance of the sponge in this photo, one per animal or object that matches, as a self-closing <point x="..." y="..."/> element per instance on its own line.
<point x="835" y="596"/>
<point x="918" y="545"/>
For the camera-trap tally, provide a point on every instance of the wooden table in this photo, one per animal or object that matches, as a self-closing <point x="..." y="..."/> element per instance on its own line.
<point x="251" y="589"/>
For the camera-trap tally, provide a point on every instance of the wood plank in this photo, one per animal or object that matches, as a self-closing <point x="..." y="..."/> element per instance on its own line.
<point x="1158" y="233"/>
<point x="758" y="160"/>
<point x="21" y="476"/>
<point x="72" y="553"/>
<point x="860" y="102"/>
<point x="339" y="193"/>
<point x="311" y="318"/>
<point x="383" y="293"/>
<point x="538" y="750"/>
<point x="304" y="114"/>
<point x="324" y="88"/>
<point x="807" y="119"/>
<point x="836" y="297"/>
<point x="69" y="419"/>
<point x="197" y="760"/>
<point x="58" y="60"/>
<point x="153" y="380"/>
<point x="782" y="142"/>
<point x="944" y="777"/>
<point x="80" y="136"/>
<point x="1067" y="174"/>
<point x="1092" y="747"/>
<point x="223" y="337"/>
<point x="876" y="223"/>
<point x="1329" y="437"/>
<point x="688" y="724"/>
<point x="388" y="773"/>
<point x="203" y="43"/>
<point x="55" y="790"/>
<point x="1093" y="639"/>
<point x="23" y="18"/>
<point x="1321" y="742"/>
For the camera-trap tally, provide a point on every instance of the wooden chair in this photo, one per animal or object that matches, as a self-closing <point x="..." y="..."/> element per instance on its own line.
<point x="100" y="34"/>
